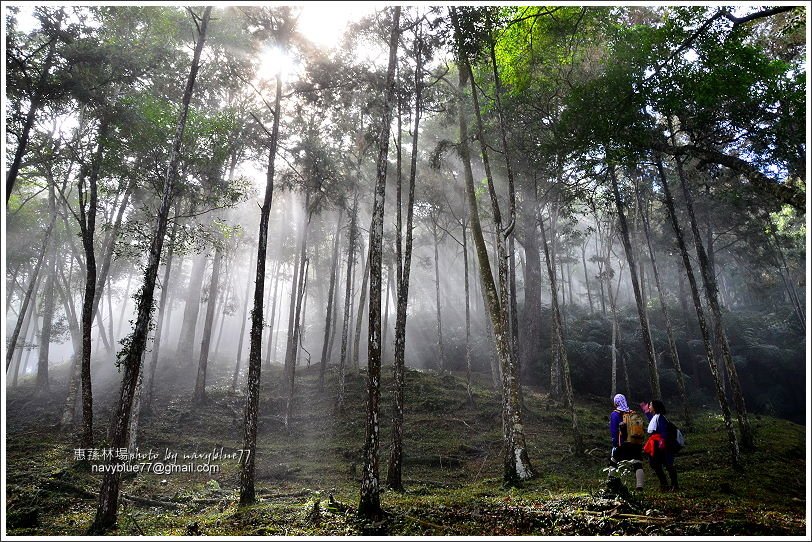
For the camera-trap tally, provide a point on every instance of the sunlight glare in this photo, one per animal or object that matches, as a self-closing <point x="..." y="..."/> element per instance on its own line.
<point x="324" y="23"/>
<point x="274" y="60"/>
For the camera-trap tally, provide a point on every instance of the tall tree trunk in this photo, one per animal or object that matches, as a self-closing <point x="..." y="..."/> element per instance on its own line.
<point x="297" y="336"/>
<point x="146" y="401"/>
<point x="712" y="295"/>
<point x="648" y="343"/>
<point x="512" y="305"/>
<point x="516" y="463"/>
<point x="243" y="319"/>
<point x="437" y="298"/>
<point x="700" y="316"/>
<point x="222" y="307"/>
<point x="586" y="278"/>
<point x="26" y="364"/>
<point x="359" y="316"/>
<point x="247" y="491"/>
<point x="468" y="312"/>
<point x="107" y="256"/>
<point x="124" y="302"/>
<point x="132" y="440"/>
<point x="273" y="302"/>
<point x="211" y="306"/>
<point x="338" y="302"/>
<point x="297" y="290"/>
<point x="108" y="493"/>
<point x="42" y="384"/>
<point x="403" y="255"/>
<point x="613" y="295"/>
<point x="186" y="340"/>
<point x="562" y="348"/>
<point x="24" y="324"/>
<point x="298" y="263"/>
<point x="388" y="294"/>
<point x="69" y="406"/>
<point x="369" y="505"/>
<point x="556" y="379"/>
<point x="672" y="344"/>
<point x="599" y="262"/>
<point x="110" y="310"/>
<point x="683" y="299"/>
<point x="351" y="242"/>
<point x="328" y="324"/>
<point x="88" y="228"/>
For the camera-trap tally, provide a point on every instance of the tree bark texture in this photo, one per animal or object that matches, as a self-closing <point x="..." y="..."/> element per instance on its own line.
<point x="369" y="505"/>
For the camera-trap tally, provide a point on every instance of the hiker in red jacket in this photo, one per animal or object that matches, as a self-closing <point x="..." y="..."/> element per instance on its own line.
<point x="626" y="428"/>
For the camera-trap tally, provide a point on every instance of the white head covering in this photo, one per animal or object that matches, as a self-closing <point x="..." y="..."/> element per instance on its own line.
<point x="620" y="402"/>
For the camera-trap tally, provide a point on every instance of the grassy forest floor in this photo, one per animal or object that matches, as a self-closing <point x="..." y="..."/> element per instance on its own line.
<point x="308" y="473"/>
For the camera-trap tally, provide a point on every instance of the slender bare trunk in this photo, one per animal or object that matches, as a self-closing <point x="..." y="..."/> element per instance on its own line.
<point x="642" y="313"/>
<point x="247" y="490"/>
<point x="672" y="344"/>
<point x="328" y="324"/>
<point x="272" y="322"/>
<point x="199" y="395"/>
<point x="243" y="320"/>
<point x="359" y="316"/>
<point x="188" y="329"/>
<point x="369" y="505"/>
<point x="712" y="295"/>
<point x="42" y="383"/>
<point x="560" y="345"/>
<point x="700" y="314"/>
<point x="403" y="255"/>
<point x="29" y="293"/>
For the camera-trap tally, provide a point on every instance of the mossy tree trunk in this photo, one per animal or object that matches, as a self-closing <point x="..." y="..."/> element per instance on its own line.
<point x="133" y="354"/>
<point x="517" y="465"/>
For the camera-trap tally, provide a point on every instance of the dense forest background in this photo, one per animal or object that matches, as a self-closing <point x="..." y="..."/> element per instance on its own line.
<point x="570" y="201"/>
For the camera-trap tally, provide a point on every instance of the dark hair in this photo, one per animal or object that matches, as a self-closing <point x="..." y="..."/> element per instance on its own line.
<point x="659" y="407"/>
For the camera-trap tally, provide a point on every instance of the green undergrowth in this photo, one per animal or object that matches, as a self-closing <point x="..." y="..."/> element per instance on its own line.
<point x="308" y="470"/>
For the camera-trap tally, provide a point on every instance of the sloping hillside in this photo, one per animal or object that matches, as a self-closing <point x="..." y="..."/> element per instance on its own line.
<point x="308" y="472"/>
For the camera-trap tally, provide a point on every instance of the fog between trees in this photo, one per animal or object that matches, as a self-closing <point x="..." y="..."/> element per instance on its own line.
<point x="601" y="200"/>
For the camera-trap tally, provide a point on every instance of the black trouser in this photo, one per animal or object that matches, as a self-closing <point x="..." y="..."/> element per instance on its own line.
<point x="627" y="452"/>
<point x="661" y="459"/>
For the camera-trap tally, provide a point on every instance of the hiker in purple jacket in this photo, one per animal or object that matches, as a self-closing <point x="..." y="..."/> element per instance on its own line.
<point x="622" y="448"/>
